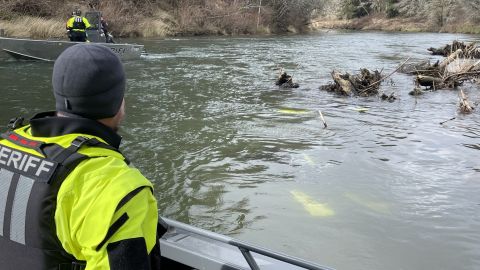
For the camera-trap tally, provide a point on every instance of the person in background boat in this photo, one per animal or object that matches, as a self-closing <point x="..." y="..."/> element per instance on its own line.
<point x="104" y="29"/>
<point x="76" y="26"/>
<point x="71" y="201"/>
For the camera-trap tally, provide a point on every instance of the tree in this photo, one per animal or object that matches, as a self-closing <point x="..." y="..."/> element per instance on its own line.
<point x="292" y="13"/>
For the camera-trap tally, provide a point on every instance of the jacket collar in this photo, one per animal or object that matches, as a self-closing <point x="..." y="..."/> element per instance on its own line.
<point x="48" y="124"/>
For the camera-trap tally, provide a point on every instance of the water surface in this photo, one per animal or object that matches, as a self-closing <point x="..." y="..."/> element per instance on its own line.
<point x="227" y="150"/>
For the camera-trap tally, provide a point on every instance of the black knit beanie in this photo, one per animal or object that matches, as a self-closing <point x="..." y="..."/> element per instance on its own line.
<point x="88" y="80"/>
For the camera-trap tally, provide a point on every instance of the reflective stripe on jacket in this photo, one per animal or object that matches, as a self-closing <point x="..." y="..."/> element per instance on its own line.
<point x="98" y="211"/>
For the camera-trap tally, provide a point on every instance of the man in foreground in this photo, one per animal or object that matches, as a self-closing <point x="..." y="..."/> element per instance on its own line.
<point x="68" y="199"/>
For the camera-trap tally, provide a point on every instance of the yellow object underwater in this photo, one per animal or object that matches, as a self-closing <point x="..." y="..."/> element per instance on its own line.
<point x="293" y="111"/>
<point x="378" y="207"/>
<point x="361" y="109"/>
<point x="358" y="109"/>
<point x="309" y="160"/>
<point x="313" y="207"/>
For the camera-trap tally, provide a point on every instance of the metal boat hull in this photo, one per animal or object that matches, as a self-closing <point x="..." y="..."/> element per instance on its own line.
<point x="45" y="50"/>
<point x="185" y="247"/>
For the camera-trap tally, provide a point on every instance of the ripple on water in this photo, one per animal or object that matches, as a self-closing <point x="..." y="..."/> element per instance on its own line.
<point x="224" y="130"/>
<point x="225" y="147"/>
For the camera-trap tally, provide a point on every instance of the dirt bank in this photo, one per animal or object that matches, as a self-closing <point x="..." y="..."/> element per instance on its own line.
<point x="382" y="23"/>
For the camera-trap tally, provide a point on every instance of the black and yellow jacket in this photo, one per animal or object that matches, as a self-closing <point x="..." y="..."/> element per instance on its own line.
<point x="68" y="196"/>
<point x="78" y="23"/>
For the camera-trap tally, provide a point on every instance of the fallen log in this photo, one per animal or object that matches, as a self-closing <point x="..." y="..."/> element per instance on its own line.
<point x="452" y="57"/>
<point x="417" y="68"/>
<point x="429" y="81"/>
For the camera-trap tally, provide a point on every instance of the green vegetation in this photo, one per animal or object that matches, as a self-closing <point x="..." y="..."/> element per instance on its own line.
<point x="238" y="17"/>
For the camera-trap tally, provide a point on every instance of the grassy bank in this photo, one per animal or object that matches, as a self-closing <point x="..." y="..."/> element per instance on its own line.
<point x="41" y="28"/>
<point x="33" y="27"/>
<point x="46" y="19"/>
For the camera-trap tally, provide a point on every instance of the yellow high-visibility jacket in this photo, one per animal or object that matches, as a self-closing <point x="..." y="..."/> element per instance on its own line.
<point x="78" y="23"/>
<point x="106" y="214"/>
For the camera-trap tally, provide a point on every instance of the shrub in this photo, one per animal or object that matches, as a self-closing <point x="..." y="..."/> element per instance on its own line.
<point x="391" y="11"/>
<point x="32" y="8"/>
<point x="356" y="8"/>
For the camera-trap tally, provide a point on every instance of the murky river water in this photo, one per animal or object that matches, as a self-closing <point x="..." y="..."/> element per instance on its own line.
<point x="389" y="188"/>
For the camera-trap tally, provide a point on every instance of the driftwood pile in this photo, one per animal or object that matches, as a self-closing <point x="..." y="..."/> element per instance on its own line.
<point x="449" y="73"/>
<point x="467" y="50"/>
<point x="460" y="65"/>
<point x="366" y="83"/>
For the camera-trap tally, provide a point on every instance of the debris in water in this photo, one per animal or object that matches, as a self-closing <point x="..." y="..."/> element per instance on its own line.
<point x="467" y="50"/>
<point x="440" y="75"/>
<point x="364" y="84"/>
<point x="465" y="106"/>
<point x="286" y="81"/>
<point x="323" y="119"/>
<point x="451" y="119"/>
<point x="417" y="91"/>
<point x="390" y="98"/>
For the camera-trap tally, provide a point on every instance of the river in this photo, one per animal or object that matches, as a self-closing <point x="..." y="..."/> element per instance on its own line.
<point x="385" y="186"/>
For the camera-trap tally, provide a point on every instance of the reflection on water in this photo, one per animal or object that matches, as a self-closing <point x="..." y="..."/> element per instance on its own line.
<point x="385" y="186"/>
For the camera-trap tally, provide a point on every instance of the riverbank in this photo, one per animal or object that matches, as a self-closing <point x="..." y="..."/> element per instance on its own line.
<point x="381" y="23"/>
<point x="163" y="24"/>
<point x="147" y="19"/>
<point x="33" y="27"/>
<point x="160" y="25"/>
